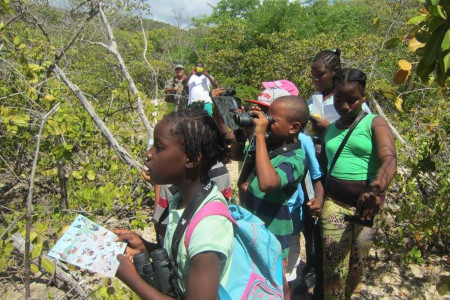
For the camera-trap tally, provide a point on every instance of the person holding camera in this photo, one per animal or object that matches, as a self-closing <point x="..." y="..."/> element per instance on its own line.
<point x="362" y="162"/>
<point x="190" y="143"/>
<point x="271" y="176"/>
<point x="199" y="83"/>
<point x="175" y="90"/>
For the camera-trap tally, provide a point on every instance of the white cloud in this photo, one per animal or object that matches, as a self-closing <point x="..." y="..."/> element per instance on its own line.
<point x="166" y="10"/>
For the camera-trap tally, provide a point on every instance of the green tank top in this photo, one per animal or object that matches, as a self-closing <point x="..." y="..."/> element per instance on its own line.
<point x="358" y="159"/>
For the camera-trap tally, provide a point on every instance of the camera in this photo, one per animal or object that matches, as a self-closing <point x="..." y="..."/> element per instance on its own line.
<point x="156" y="269"/>
<point x="246" y="119"/>
<point x="199" y="69"/>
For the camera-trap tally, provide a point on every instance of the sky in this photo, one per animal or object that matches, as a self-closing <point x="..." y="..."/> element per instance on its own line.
<point x="166" y="10"/>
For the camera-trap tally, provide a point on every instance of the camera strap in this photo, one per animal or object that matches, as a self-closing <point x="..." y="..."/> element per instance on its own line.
<point x="191" y="207"/>
<point x="284" y="149"/>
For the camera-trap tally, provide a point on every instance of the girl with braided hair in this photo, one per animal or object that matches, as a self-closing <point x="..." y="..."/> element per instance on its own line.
<point x="187" y="144"/>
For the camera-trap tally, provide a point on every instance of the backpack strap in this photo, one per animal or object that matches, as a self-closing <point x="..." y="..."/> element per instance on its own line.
<point x="192" y="206"/>
<point x="214" y="208"/>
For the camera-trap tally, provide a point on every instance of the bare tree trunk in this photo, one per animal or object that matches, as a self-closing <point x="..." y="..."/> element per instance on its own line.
<point x="62" y="185"/>
<point x="112" y="47"/>
<point x="121" y="152"/>
<point x="29" y="202"/>
<point x="144" y="54"/>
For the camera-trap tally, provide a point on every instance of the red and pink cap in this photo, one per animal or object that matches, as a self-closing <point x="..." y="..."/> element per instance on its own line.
<point x="267" y="96"/>
<point x="282" y="84"/>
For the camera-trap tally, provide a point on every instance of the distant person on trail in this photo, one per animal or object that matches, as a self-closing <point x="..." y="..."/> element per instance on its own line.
<point x="199" y="83"/>
<point x="176" y="92"/>
<point x="356" y="184"/>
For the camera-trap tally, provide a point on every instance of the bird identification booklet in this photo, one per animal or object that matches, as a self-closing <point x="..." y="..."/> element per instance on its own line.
<point x="90" y="246"/>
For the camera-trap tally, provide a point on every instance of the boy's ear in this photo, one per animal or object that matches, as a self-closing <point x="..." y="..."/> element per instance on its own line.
<point x="193" y="161"/>
<point x="296" y="127"/>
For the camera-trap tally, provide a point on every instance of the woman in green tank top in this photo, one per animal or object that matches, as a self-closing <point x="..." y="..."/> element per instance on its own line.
<point x="356" y="187"/>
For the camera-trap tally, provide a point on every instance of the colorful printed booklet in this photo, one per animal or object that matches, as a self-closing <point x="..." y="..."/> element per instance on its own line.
<point x="90" y="246"/>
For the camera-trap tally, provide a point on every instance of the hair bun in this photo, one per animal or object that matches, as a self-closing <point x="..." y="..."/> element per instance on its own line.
<point x="337" y="51"/>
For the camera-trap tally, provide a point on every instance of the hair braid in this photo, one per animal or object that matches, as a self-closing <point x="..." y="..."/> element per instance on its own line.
<point x="199" y="135"/>
<point x="347" y="75"/>
<point x="330" y="58"/>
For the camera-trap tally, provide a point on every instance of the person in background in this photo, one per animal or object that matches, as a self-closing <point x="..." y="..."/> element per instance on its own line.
<point x="325" y="65"/>
<point x="356" y="185"/>
<point x="175" y="91"/>
<point x="199" y="83"/>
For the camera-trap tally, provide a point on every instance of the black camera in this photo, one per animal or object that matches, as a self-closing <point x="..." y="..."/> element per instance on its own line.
<point x="156" y="269"/>
<point x="246" y="119"/>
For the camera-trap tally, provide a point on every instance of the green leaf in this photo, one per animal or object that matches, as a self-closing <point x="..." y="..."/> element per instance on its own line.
<point x="37" y="250"/>
<point x="2" y="263"/>
<point x="34" y="269"/>
<point x="422" y="36"/>
<point x="376" y="22"/>
<point x="19" y="120"/>
<point x="445" y="51"/>
<point x="8" y="248"/>
<point x="34" y="67"/>
<point x="392" y="43"/>
<point x="77" y="175"/>
<point x="91" y="175"/>
<point x="417" y="19"/>
<point x="16" y="40"/>
<point x="431" y="52"/>
<point x="33" y="236"/>
<point x="48" y="265"/>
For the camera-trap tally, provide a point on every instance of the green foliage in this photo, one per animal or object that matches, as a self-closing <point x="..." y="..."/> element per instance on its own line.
<point x="432" y="27"/>
<point x="243" y="43"/>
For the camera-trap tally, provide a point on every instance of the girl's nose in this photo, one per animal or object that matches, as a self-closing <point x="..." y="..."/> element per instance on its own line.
<point x="148" y="155"/>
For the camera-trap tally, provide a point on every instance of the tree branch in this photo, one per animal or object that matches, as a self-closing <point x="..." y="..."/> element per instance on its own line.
<point x="113" y="49"/>
<point x="121" y="152"/>
<point x="29" y="201"/>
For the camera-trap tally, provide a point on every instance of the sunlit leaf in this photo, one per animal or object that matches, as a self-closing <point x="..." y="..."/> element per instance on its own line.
<point x="404" y="65"/>
<point x="414" y="44"/>
<point x="34" y="268"/>
<point x="48" y="265"/>
<point x="77" y="175"/>
<point x="398" y="103"/>
<point x="49" y="97"/>
<point x="417" y="19"/>
<point x="389" y="95"/>
<point x="37" y="250"/>
<point x="91" y="175"/>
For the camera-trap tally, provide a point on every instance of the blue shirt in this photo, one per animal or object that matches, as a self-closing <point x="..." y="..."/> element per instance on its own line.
<point x="314" y="171"/>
